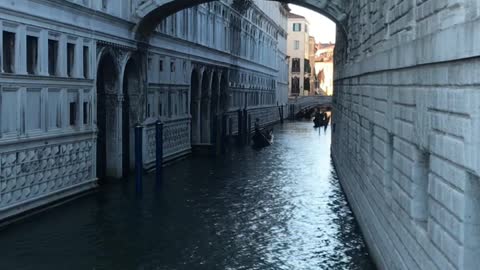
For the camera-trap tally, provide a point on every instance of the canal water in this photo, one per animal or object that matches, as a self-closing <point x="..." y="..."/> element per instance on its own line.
<point x="278" y="208"/>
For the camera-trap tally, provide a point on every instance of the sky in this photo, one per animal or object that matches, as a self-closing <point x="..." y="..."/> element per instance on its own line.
<point x="322" y="28"/>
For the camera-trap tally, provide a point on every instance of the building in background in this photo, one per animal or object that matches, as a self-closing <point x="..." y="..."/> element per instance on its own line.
<point x="324" y="67"/>
<point x="312" y="78"/>
<point x="298" y="49"/>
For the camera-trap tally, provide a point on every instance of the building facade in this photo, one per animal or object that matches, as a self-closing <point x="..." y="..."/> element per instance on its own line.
<point x="75" y="81"/>
<point x="324" y="68"/>
<point x="298" y="50"/>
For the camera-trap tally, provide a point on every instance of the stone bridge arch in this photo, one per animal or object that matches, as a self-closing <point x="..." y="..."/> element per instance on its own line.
<point x="150" y="12"/>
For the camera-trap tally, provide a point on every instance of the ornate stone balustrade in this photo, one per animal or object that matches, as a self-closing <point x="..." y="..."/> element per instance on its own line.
<point x="176" y="140"/>
<point x="266" y="115"/>
<point x="43" y="171"/>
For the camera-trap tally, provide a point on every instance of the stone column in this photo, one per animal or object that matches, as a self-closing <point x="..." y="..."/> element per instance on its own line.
<point x="114" y="135"/>
<point x="62" y="56"/>
<point x="43" y="53"/>
<point x="196" y="120"/>
<point x="78" y="59"/>
<point x="21" y="50"/>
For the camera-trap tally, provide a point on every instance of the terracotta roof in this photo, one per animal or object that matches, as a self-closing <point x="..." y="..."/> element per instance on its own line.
<point x="295" y="16"/>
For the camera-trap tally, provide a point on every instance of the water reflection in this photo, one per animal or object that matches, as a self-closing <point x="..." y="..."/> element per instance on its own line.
<point x="279" y="208"/>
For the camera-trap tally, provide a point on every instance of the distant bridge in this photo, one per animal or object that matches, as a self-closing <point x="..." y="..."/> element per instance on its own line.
<point x="297" y="104"/>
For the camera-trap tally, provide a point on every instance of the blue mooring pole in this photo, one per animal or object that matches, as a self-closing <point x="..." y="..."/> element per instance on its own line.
<point x="159" y="151"/>
<point x="138" y="158"/>
<point x="240" y="127"/>
<point x="224" y="133"/>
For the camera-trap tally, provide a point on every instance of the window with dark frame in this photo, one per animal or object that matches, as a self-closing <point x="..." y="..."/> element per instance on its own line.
<point x="52" y="57"/>
<point x="32" y="54"/>
<point x="73" y="113"/>
<point x="8" y="52"/>
<point x="295" y="85"/>
<point x="297" y="27"/>
<point x="86" y="112"/>
<point x="296" y="65"/>
<point x="70" y="58"/>
<point x="86" y="62"/>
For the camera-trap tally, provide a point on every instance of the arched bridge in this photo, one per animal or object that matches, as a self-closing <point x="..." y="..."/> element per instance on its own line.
<point x="150" y="12"/>
<point x="297" y="104"/>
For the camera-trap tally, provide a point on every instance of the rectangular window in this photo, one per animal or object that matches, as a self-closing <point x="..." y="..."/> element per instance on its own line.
<point x="297" y="27"/>
<point x="86" y="112"/>
<point x="32" y="54"/>
<point x="86" y="63"/>
<point x="9" y="111"/>
<point x="73" y="113"/>
<point x="296" y="44"/>
<point x="161" y="65"/>
<point x="296" y="65"/>
<point x="70" y="58"/>
<point x="54" y="109"/>
<point x="172" y="66"/>
<point x="104" y="4"/>
<point x="52" y="57"/>
<point x="8" y="52"/>
<point x="33" y="109"/>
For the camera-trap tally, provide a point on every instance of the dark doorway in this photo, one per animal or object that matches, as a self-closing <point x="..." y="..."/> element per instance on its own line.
<point x="106" y="80"/>
<point x="130" y="93"/>
<point x="224" y="104"/>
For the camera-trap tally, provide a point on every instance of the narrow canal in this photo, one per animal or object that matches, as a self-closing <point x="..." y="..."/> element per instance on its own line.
<point x="278" y="208"/>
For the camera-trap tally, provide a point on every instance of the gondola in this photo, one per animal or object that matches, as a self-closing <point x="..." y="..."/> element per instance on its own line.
<point x="321" y="122"/>
<point x="261" y="140"/>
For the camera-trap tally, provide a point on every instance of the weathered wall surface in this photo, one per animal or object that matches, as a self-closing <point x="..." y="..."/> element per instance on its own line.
<point x="406" y="130"/>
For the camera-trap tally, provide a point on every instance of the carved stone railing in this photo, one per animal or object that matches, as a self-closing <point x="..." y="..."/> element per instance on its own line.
<point x="176" y="140"/>
<point x="267" y="115"/>
<point x="41" y="171"/>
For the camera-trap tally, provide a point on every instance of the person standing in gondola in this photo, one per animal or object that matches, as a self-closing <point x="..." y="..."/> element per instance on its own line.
<point x="257" y="126"/>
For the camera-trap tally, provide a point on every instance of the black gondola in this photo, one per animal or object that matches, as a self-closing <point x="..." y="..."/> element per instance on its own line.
<point x="321" y="121"/>
<point x="261" y="140"/>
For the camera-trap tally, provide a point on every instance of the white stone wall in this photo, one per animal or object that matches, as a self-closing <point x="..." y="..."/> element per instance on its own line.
<point x="47" y="129"/>
<point x="48" y="121"/>
<point x="406" y="123"/>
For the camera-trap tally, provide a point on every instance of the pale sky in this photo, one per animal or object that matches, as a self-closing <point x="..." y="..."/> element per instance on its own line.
<point x="321" y="27"/>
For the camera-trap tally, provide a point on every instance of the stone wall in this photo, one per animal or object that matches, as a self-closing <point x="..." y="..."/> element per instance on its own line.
<point x="406" y="130"/>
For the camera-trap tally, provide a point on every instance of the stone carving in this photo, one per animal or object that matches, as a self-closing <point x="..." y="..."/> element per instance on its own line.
<point x="37" y="172"/>
<point x="176" y="139"/>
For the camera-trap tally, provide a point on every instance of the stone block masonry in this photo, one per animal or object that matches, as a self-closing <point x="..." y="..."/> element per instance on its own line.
<point x="407" y="131"/>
